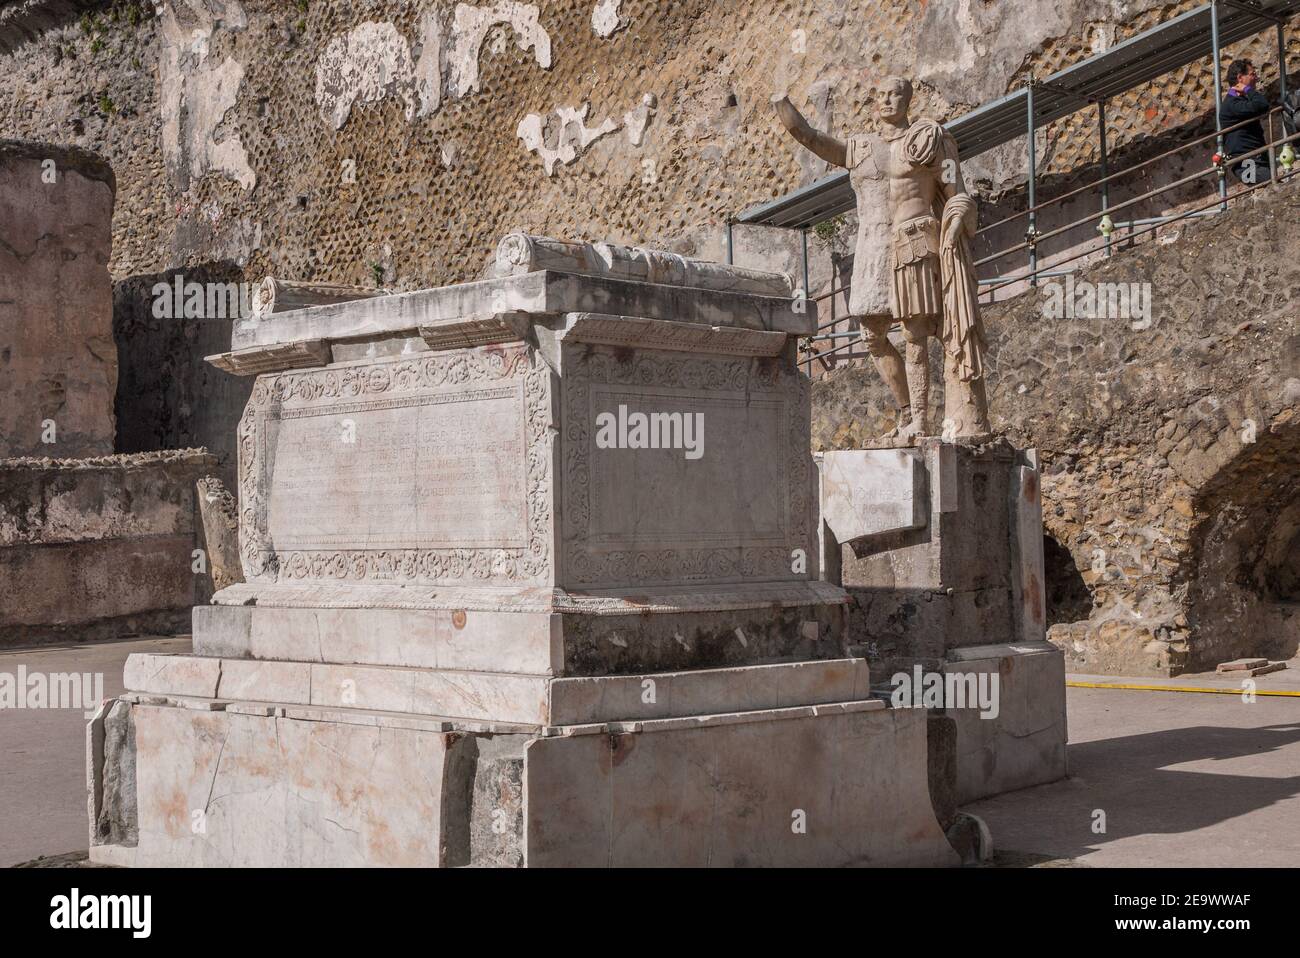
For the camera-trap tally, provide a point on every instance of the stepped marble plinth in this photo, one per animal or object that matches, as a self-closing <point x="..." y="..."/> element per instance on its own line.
<point x="531" y="579"/>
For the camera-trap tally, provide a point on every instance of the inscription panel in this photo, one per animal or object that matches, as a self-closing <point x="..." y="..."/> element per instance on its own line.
<point x="432" y="469"/>
<point x="636" y="516"/>
<point x="661" y="497"/>
<point x="428" y="471"/>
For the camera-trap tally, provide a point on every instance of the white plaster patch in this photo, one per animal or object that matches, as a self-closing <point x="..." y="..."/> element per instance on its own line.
<point x="574" y="136"/>
<point x="369" y="63"/>
<point x="605" y="20"/>
<point x="636" y="120"/>
<point x="471" y="25"/>
<point x="1103" y="37"/>
<point x="196" y="95"/>
<point x="966" y="32"/>
<point x="428" y="69"/>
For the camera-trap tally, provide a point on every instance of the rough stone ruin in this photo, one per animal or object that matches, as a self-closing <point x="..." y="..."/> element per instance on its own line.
<point x="60" y="365"/>
<point x="92" y="543"/>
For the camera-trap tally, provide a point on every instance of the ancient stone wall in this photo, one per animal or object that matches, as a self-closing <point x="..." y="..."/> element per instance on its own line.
<point x="391" y="143"/>
<point x="58" y="365"/>
<point x="350" y="141"/>
<point x="1170" y="444"/>
<point x="98" y="547"/>
<point x="169" y="397"/>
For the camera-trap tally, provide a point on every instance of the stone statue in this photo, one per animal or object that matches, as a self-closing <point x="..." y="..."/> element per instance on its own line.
<point x="912" y="261"/>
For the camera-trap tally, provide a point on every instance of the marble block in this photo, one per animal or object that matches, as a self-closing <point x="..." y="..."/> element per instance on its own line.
<point x="838" y="785"/>
<point x="531" y="578"/>
<point x="518" y="446"/>
<point x="866" y="492"/>
<point x="1026" y="743"/>
<point x="960" y="592"/>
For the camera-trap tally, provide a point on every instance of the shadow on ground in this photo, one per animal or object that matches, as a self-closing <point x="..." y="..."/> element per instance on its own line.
<point x="1202" y="794"/>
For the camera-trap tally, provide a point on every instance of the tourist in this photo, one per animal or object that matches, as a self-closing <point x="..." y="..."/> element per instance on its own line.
<point x="1245" y="102"/>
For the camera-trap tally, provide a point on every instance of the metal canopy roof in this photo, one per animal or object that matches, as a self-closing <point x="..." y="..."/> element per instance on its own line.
<point x="1152" y="53"/>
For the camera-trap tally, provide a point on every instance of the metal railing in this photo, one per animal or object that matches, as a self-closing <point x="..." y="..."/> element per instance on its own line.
<point x="1131" y="229"/>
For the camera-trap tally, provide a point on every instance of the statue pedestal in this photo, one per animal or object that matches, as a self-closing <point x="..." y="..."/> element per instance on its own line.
<point x="940" y="546"/>
<point x="531" y="580"/>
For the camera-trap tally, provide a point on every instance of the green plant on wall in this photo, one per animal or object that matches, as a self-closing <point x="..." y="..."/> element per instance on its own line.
<point x="377" y="271"/>
<point x="135" y="13"/>
<point x="829" y="232"/>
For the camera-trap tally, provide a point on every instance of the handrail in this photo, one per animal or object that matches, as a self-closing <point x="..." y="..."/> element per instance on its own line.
<point x="1083" y="221"/>
<point x="1218" y="201"/>
<point x="1173" y="218"/>
<point x="1125" y="172"/>
<point x="1277" y="175"/>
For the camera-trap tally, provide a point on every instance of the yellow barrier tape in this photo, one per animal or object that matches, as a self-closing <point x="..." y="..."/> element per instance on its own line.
<point x="1177" y="688"/>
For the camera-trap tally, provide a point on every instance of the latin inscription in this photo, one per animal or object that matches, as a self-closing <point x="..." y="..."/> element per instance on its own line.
<point x="445" y="470"/>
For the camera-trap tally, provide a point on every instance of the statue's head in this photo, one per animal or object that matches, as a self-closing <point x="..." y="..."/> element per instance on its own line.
<point x="893" y="97"/>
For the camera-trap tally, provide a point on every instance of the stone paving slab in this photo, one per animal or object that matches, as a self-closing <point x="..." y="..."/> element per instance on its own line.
<point x="1183" y="780"/>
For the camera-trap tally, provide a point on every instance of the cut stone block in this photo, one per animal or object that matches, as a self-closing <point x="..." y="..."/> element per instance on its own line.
<point x="764" y="788"/>
<point x="744" y="795"/>
<point x="1238" y="665"/>
<point x="625" y="698"/>
<point x="1262" y="669"/>
<point x="473" y="640"/>
<point x="1025" y="744"/>
<point x="647" y="637"/>
<point x="532" y="699"/>
<point x="222" y="789"/>
<point x="867" y="492"/>
<point x="536" y="293"/>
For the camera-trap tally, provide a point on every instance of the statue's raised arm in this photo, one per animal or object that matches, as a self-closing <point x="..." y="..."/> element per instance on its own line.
<point x="830" y="149"/>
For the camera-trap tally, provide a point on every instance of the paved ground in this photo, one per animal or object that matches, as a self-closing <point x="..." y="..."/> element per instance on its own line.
<point x="1183" y="778"/>
<point x="42" y="751"/>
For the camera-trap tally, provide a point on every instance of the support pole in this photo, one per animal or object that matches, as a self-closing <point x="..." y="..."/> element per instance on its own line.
<point x="1281" y="60"/>
<point x="1033" y="184"/>
<point x="1218" y="100"/>
<point x="1105" y="164"/>
<point x="1275" y="166"/>
<point x="731" y="248"/>
<point x="807" y="294"/>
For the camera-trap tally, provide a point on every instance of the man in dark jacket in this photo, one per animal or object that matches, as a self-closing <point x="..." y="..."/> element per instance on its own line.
<point x="1245" y="102"/>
